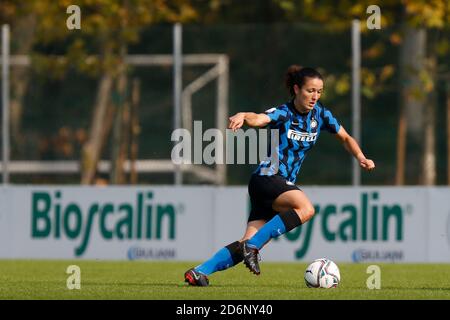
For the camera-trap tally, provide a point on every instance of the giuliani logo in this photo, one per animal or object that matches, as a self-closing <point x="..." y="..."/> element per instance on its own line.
<point x="135" y="253"/>
<point x="363" y="255"/>
<point x="141" y="219"/>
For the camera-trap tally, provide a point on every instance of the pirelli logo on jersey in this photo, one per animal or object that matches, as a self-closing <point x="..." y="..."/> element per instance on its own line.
<point x="302" y="136"/>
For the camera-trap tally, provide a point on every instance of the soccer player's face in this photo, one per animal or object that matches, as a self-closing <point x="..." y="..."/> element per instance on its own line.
<point x="309" y="93"/>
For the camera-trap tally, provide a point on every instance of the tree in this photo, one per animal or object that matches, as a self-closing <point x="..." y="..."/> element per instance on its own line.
<point x="419" y="72"/>
<point x="107" y="28"/>
<point x="418" y="68"/>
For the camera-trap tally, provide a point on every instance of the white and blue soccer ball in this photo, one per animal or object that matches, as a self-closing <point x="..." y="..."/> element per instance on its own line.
<point x="322" y="273"/>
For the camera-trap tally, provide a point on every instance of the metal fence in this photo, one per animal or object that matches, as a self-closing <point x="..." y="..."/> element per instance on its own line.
<point x="56" y="109"/>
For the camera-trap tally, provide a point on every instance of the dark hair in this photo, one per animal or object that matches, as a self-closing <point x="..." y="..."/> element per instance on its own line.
<point x="296" y="75"/>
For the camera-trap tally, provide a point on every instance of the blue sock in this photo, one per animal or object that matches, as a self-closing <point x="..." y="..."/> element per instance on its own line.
<point x="223" y="259"/>
<point x="272" y="229"/>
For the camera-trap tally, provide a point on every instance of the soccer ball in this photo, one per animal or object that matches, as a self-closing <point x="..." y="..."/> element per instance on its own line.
<point x="322" y="273"/>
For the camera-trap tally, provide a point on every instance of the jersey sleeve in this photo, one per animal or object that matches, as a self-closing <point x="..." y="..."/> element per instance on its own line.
<point x="278" y="115"/>
<point x="330" y="123"/>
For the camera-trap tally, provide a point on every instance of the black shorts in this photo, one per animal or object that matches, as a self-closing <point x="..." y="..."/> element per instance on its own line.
<point x="263" y="190"/>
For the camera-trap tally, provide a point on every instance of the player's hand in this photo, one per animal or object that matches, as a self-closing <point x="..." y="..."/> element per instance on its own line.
<point x="236" y="121"/>
<point x="367" y="164"/>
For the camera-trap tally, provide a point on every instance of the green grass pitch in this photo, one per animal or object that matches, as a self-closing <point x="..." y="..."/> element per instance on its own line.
<point x="47" y="279"/>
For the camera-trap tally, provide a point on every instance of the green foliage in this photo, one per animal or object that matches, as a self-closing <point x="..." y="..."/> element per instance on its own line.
<point x="259" y="52"/>
<point x="338" y="15"/>
<point x="106" y="25"/>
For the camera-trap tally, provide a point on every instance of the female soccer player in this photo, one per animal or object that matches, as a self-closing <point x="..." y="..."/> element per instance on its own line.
<point x="277" y="204"/>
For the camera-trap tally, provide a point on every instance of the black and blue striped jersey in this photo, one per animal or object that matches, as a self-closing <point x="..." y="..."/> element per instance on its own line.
<point x="298" y="133"/>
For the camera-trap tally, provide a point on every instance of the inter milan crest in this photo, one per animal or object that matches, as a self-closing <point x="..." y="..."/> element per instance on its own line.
<point x="313" y="123"/>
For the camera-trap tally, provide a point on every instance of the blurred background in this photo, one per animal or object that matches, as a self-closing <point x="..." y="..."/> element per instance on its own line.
<point x="95" y="104"/>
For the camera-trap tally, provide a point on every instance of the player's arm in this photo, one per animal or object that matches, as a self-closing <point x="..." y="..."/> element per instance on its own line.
<point x="353" y="148"/>
<point x="249" y="118"/>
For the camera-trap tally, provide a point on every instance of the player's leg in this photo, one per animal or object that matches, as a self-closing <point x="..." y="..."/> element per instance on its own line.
<point x="295" y="209"/>
<point x="223" y="259"/>
<point x="297" y="200"/>
<point x="252" y="228"/>
<point x="231" y="254"/>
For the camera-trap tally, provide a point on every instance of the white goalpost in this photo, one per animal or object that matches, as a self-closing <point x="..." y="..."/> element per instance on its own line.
<point x="219" y="70"/>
